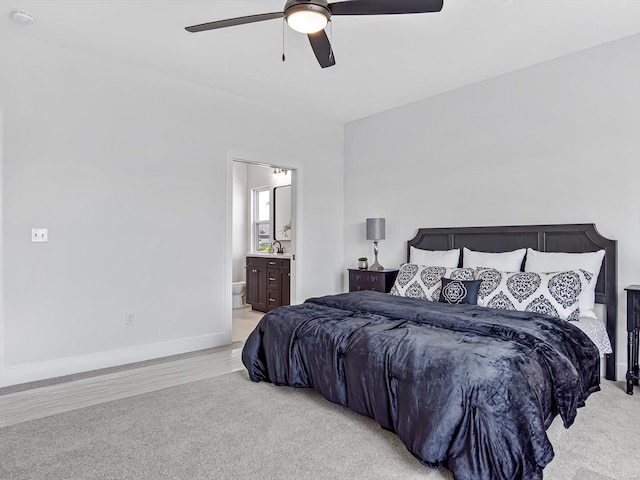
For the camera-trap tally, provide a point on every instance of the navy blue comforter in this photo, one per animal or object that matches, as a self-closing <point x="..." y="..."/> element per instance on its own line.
<point x="467" y="387"/>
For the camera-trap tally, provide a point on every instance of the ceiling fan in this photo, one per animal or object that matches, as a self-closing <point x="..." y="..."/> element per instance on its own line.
<point x="311" y="16"/>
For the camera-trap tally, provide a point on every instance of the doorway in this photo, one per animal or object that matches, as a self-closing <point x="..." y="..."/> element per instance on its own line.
<point x="262" y="228"/>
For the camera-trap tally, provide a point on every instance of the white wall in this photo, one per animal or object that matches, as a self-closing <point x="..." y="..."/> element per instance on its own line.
<point x="241" y="220"/>
<point x="553" y="143"/>
<point x="126" y="167"/>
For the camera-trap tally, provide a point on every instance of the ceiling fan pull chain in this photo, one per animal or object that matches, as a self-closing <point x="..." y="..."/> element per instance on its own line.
<point x="283" y="57"/>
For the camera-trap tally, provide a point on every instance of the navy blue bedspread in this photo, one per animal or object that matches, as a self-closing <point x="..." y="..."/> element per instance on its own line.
<point x="467" y="387"/>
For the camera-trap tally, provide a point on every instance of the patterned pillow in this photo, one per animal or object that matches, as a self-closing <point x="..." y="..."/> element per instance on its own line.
<point x="554" y="294"/>
<point x="459" y="291"/>
<point x="419" y="281"/>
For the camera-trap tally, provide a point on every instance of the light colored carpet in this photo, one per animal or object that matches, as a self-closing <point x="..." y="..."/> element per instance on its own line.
<point x="231" y="428"/>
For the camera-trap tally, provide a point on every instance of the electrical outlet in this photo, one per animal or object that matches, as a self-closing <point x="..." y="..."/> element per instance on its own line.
<point x="129" y="318"/>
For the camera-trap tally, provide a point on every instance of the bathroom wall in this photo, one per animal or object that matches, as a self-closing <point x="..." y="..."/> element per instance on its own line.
<point x="241" y="219"/>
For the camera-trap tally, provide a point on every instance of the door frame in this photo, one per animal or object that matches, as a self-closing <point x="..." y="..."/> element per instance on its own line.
<point x="2" y="315"/>
<point x="264" y="160"/>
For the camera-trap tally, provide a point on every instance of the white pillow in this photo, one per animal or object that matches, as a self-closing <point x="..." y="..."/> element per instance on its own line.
<point x="554" y="293"/>
<point x="420" y="281"/>
<point x="504" y="261"/>
<point x="557" y="262"/>
<point x="435" y="258"/>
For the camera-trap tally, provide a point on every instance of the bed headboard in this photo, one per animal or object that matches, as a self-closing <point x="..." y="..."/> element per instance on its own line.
<point x="573" y="238"/>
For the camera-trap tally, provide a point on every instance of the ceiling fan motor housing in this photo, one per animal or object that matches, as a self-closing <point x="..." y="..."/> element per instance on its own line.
<point x="320" y="6"/>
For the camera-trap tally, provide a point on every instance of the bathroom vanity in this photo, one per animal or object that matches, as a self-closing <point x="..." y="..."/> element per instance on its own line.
<point x="268" y="281"/>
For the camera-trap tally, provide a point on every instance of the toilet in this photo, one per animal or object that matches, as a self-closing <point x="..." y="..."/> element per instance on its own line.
<point x="237" y="290"/>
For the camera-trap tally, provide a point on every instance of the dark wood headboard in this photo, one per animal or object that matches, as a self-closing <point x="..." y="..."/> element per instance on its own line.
<point x="572" y="238"/>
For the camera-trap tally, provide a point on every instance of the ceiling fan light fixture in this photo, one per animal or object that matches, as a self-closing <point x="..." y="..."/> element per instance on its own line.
<point x="307" y="18"/>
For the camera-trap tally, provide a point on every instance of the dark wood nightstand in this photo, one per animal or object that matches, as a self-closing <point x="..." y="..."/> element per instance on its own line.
<point x="633" y="334"/>
<point x="378" y="280"/>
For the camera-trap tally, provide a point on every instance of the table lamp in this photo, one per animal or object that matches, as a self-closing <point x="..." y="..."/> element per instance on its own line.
<point x="375" y="232"/>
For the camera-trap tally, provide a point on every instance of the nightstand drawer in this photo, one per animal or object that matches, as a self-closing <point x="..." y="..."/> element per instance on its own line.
<point x="636" y="322"/>
<point x="357" y="276"/>
<point x="365" y="276"/>
<point x="375" y="278"/>
<point x="636" y="303"/>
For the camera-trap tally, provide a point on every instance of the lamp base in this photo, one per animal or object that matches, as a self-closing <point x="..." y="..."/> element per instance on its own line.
<point x="376" y="266"/>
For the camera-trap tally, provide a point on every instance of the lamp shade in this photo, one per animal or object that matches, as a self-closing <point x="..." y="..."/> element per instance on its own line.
<point x="375" y="228"/>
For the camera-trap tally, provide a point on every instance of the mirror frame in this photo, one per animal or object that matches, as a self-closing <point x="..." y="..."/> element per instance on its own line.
<point x="282" y="227"/>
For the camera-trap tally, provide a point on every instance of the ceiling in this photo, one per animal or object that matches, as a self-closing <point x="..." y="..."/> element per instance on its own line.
<point x="381" y="61"/>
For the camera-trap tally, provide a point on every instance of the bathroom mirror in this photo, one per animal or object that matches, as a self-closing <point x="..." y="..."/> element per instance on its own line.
<point x="282" y="213"/>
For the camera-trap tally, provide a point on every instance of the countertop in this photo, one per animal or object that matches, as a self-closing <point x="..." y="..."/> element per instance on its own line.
<point x="269" y="255"/>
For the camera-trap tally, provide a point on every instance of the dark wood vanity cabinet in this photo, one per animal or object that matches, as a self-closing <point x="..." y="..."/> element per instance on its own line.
<point x="268" y="282"/>
<point x="256" y="293"/>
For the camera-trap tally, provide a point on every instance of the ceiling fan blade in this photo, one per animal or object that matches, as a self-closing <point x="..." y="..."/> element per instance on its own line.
<point x="322" y="48"/>
<point x="384" y="7"/>
<point x="233" y="21"/>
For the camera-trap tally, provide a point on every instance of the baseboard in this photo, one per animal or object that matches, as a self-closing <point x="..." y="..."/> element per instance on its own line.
<point x="621" y="372"/>
<point x="32" y="372"/>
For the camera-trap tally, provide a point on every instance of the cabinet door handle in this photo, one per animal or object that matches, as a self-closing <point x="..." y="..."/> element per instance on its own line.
<point x="272" y="263"/>
<point x="254" y="271"/>
<point x="272" y="279"/>
<point x="288" y="274"/>
<point x="272" y="300"/>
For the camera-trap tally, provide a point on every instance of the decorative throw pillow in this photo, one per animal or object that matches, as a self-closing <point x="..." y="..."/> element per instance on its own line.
<point x="503" y="261"/>
<point x="554" y="294"/>
<point x="596" y="330"/>
<point x="459" y="291"/>
<point x="419" y="281"/>
<point x="435" y="258"/>
<point x="557" y="261"/>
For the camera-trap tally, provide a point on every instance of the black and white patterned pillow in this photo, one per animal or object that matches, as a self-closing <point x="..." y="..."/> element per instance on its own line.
<point x="420" y="281"/>
<point x="459" y="291"/>
<point x="554" y="293"/>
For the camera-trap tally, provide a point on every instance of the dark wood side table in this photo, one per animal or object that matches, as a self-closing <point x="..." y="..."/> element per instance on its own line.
<point x="378" y="280"/>
<point x="633" y="335"/>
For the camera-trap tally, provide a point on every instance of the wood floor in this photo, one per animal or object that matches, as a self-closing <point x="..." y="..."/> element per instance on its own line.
<point x="33" y="403"/>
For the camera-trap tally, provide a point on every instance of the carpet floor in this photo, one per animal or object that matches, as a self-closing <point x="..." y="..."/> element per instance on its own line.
<point x="231" y="428"/>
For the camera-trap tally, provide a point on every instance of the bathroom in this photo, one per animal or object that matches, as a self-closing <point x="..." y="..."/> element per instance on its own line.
<point x="261" y="233"/>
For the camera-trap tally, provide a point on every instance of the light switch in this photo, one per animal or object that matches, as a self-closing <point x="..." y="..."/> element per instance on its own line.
<point x="39" y="235"/>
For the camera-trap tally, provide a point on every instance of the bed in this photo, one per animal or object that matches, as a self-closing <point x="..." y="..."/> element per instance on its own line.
<point x="466" y="387"/>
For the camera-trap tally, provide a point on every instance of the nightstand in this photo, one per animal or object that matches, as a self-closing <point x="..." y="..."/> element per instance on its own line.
<point x="377" y="280"/>
<point x="633" y="334"/>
